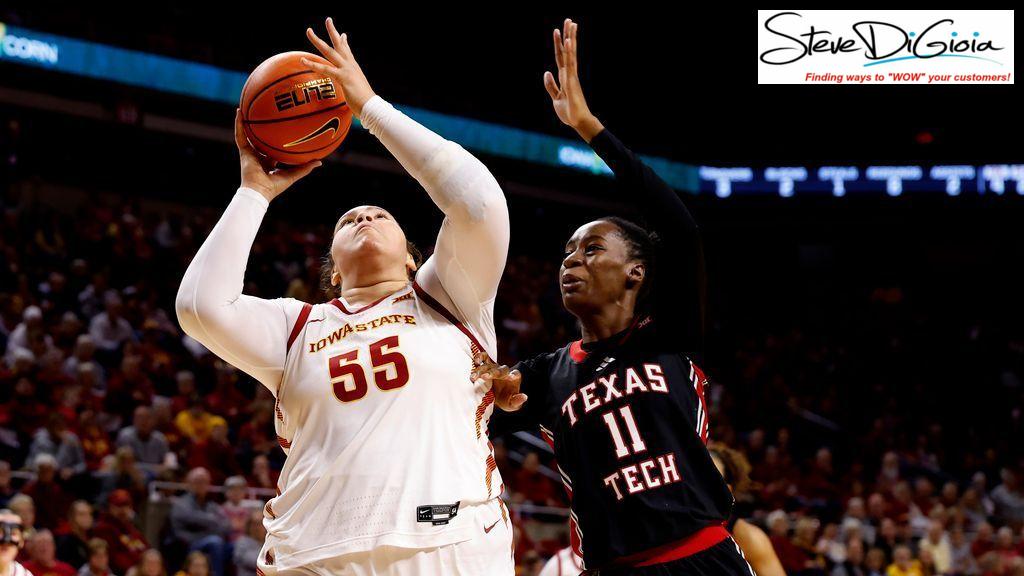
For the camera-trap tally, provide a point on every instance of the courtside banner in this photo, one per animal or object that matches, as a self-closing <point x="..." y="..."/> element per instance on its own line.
<point x="885" y="47"/>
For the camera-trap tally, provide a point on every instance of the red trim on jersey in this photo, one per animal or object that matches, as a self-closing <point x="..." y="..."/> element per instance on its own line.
<point x="341" y="306"/>
<point x="486" y="401"/>
<point x="578" y="354"/>
<point x="576" y="351"/>
<point x="299" y="323"/>
<point x="697" y="542"/>
<point x="430" y="301"/>
<point x="698" y="386"/>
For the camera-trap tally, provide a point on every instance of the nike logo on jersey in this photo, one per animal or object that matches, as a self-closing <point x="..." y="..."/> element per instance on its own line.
<point x="489" y="528"/>
<point x="333" y="124"/>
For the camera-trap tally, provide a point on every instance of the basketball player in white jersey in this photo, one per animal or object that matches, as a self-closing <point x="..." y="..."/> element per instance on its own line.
<point x="389" y="468"/>
<point x="11" y="541"/>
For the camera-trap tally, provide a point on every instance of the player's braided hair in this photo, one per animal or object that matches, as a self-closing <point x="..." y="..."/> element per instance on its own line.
<point x="327" y="267"/>
<point x="643" y="247"/>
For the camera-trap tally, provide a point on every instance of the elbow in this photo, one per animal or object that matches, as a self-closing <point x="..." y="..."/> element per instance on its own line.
<point x="187" y="309"/>
<point x="478" y="196"/>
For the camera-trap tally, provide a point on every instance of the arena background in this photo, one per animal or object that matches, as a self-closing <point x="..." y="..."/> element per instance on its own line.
<point x="865" y="350"/>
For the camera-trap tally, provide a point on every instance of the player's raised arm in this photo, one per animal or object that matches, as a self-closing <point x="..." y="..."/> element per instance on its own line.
<point x="472" y="245"/>
<point x="679" y="293"/>
<point x="248" y="332"/>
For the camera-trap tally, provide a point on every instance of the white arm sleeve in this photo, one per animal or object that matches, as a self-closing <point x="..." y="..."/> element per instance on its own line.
<point x="472" y="245"/>
<point x="248" y="332"/>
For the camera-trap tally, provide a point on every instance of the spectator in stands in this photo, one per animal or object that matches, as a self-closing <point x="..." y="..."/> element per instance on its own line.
<point x="120" y="472"/>
<point x="21" y="337"/>
<point x="225" y="399"/>
<point x="1008" y="498"/>
<point x="214" y="453"/>
<point x="128" y="387"/>
<point x="185" y="382"/>
<point x="96" y="443"/>
<point x="195" y="423"/>
<point x="854" y="563"/>
<point x="117" y="527"/>
<point x="234" y="509"/>
<point x="936" y="543"/>
<point x="25" y="412"/>
<point x="109" y="329"/>
<point x="84" y="355"/>
<point x="248" y="546"/>
<point x="23" y="506"/>
<point x="42" y="553"/>
<point x="1005" y="547"/>
<point x="196" y="564"/>
<point x="262" y="476"/>
<point x="200" y="523"/>
<point x="99" y="559"/>
<point x="51" y="497"/>
<point x="874" y="563"/>
<point x="151" y="563"/>
<point x="147" y="444"/>
<point x="73" y="540"/>
<point x="56" y="440"/>
<point x="793" y="559"/>
<point x="903" y="563"/>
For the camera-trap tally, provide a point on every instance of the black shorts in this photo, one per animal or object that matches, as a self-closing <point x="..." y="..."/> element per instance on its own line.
<point x="722" y="559"/>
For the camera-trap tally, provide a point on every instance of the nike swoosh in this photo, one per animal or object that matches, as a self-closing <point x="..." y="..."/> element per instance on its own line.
<point x="488" y="529"/>
<point x="332" y="124"/>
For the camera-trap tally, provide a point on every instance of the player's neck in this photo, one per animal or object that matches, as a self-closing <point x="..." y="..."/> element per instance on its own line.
<point x="362" y="295"/>
<point x="606" y="322"/>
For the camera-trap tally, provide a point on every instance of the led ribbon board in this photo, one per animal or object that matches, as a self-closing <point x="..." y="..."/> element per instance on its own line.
<point x="71" y="56"/>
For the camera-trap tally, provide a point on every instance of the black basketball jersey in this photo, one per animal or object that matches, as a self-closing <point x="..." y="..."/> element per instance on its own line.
<point x="627" y="416"/>
<point x="628" y="423"/>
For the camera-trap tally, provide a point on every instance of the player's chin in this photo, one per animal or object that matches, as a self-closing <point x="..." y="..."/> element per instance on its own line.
<point x="575" y="299"/>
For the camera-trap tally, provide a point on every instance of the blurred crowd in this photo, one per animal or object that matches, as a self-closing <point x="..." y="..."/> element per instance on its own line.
<point x="889" y="445"/>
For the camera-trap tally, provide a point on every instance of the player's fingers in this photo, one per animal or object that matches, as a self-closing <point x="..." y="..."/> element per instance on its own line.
<point x="293" y="174"/>
<point x="346" y="50"/>
<point x="558" y="47"/>
<point x="517" y="400"/>
<point x="566" y="28"/>
<point x="550" y="85"/>
<point x="240" y="140"/>
<point x="332" y="32"/>
<point x="327" y="52"/>
<point x="319" y="67"/>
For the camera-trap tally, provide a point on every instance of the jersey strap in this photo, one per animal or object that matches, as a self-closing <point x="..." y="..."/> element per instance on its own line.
<point x="299" y="323"/>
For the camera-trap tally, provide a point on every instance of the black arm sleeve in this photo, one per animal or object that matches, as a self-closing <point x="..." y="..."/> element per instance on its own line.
<point x="679" y="279"/>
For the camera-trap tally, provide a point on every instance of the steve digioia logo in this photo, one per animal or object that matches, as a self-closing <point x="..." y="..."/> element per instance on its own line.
<point x="881" y="42"/>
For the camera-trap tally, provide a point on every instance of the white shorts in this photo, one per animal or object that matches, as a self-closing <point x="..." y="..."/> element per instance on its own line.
<point x="487" y="554"/>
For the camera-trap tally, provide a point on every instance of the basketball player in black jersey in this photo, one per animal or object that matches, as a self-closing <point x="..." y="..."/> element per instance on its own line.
<point x="624" y="407"/>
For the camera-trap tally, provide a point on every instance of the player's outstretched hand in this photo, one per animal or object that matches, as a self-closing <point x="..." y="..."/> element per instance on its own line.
<point x="260" y="173"/>
<point x="344" y="68"/>
<point x="504" y="382"/>
<point x="566" y="93"/>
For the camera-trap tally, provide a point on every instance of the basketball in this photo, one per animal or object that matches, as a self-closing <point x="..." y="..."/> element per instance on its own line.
<point x="292" y="114"/>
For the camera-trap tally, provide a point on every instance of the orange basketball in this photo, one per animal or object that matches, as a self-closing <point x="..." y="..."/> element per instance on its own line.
<point x="293" y="114"/>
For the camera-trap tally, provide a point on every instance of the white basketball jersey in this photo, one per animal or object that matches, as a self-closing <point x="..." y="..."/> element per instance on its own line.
<point x="385" y="433"/>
